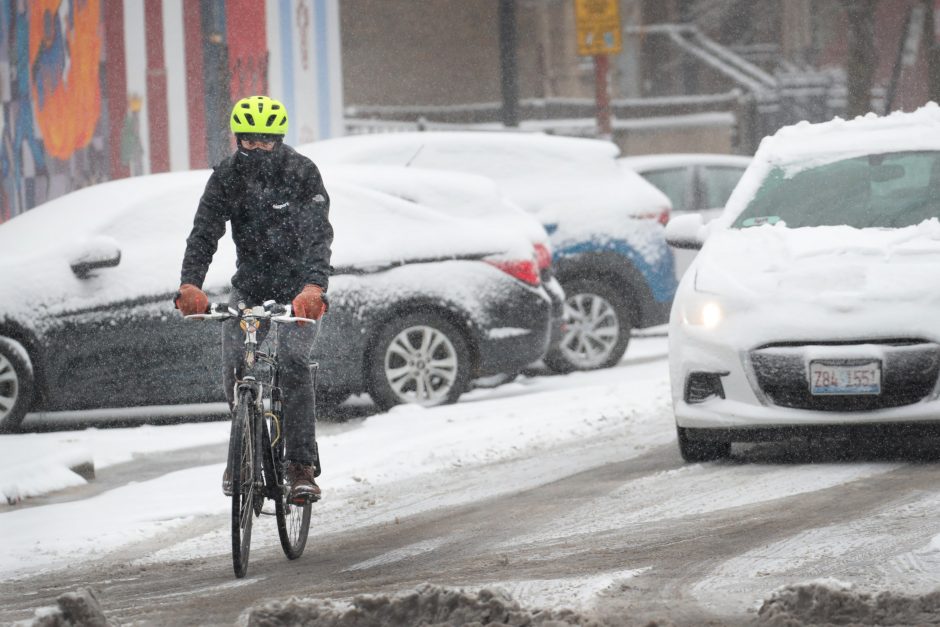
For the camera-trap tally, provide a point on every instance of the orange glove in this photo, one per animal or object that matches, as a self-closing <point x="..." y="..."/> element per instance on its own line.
<point x="309" y="303"/>
<point x="191" y="300"/>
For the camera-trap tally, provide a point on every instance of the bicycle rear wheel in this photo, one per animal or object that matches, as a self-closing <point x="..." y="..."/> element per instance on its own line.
<point x="293" y="521"/>
<point x="242" y="460"/>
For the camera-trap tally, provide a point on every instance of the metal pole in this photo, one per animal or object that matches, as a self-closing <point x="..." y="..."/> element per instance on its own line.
<point x="602" y="96"/>
<point x="507" y="62"/>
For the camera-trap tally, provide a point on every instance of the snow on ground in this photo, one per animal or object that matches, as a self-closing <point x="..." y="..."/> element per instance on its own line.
<point x="830" y="551"/>
<point x="488" y="426"/>
<point x="32" y="464"/>
<point x="577" y="593"/>
<point x="696" y="490"/>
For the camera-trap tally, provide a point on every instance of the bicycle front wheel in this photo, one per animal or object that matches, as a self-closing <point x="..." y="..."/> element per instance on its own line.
<point x="293" y="521"/>
<point x="242" y="463"/>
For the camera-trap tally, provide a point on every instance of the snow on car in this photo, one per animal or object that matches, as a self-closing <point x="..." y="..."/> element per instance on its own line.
<point x="805" y="311"/>
<point x="464" y="195"/>
<point x="609" y="253"/>
<point x="87" y="319"/>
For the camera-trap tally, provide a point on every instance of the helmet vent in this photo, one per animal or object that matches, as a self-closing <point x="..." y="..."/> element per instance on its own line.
<point x="270" y="119"/>
<point x="283" y="120"/>
<point x="235" y="116"/>
<point x="250" y="118"/>
<point x="260" y="105"/>
<point x="245" y="105"/>
<point x="275" y="107"/>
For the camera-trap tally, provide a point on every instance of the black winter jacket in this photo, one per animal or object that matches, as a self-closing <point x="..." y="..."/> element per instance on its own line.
<point x="279" y="211"/>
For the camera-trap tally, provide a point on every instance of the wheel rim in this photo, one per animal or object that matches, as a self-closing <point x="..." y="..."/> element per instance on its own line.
<point x="593" y="330"/>
<point x="246" y="489"/>
<point x="421" y="366"/>
<point x="294" y="523"/>
<point x="9" y="388"/>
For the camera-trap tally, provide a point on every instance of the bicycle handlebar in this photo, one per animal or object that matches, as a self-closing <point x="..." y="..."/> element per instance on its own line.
<point x="269" y="310"/>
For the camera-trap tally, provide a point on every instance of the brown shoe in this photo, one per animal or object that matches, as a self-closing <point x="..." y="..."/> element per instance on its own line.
<point x="303" y="487"/>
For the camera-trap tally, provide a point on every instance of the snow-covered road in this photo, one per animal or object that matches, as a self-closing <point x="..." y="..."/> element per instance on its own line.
<point x="565" y="491"/>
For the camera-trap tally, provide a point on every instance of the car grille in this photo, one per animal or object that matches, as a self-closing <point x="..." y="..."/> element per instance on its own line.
<point x="909" y="374"/>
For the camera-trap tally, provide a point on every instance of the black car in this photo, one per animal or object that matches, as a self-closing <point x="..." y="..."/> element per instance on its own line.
<point x="86" y="320"/>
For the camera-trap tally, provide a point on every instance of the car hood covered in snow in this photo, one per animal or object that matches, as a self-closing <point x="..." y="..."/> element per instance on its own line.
<point x="824" y="283"/>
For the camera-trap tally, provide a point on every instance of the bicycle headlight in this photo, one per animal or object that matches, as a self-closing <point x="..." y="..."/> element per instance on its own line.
<point x="244" y="324"/>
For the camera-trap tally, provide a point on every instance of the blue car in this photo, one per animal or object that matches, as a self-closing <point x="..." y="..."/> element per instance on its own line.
<point x="605" y="224"/>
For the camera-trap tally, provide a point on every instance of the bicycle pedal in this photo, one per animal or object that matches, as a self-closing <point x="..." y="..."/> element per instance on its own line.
<point x="303" y="500"/>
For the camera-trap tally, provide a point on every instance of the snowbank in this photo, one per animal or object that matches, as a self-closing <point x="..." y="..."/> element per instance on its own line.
<point x="426" y="605"/>
<point x="834" y="603"/>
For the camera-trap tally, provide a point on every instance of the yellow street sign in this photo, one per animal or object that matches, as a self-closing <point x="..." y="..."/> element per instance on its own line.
<point x="598" y="25"/>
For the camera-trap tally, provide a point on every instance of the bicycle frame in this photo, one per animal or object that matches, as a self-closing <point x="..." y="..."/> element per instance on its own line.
<point x="262" y="441"/>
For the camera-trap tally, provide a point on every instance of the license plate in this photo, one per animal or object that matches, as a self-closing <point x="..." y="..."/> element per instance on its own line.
<point x="828" y="378"/>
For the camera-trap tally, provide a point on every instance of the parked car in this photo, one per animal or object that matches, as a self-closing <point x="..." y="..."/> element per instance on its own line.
<point x="463" y="195"/>
<point x="699" y="182"/>
<point x="87" y="321"/>
<point x="805" y="312"/>
<point x="609" y="253"/>
<point x="695" y="183"/>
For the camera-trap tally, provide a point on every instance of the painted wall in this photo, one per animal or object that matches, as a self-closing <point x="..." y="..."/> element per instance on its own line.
<point x="92" y="90"/>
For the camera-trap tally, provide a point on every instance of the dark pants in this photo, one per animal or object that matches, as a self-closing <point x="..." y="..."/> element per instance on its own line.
<point x="295" y="345"/>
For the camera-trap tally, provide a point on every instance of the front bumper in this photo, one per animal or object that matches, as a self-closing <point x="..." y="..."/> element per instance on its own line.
<point x="764" y="391"/>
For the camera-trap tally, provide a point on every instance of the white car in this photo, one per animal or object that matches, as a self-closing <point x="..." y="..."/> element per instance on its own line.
<point x="809" y="309"/>
<point x="694" y="182"/>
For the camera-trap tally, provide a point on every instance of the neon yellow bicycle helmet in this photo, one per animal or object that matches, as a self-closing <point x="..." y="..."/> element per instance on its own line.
<point x="259" y="115"/>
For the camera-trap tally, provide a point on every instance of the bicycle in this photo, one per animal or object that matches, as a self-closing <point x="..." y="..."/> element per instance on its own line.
<point x="257" y="446"/>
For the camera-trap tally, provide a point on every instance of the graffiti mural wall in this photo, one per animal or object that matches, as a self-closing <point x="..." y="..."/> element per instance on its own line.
<point x="52" y="131"/>
<point x="92" y="90"/>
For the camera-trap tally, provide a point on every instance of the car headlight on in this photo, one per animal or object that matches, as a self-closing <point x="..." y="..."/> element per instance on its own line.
<point x="707" y="314"/>
<point x="711" y="315"/>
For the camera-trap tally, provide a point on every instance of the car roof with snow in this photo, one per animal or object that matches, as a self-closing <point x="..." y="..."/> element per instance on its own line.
<point x="454" y="193"/>
<point x="371" y="227"/>
<point x="868" y="134"/>
<point x="642" y="163"/>
<point x="553" y="152"/>
<point x="554" y="177"/>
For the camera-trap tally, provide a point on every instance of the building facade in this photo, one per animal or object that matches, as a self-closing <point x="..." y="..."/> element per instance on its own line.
<point x="93" y="90"/>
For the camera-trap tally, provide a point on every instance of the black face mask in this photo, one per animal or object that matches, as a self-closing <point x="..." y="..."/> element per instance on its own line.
<point x="257" y="158"/>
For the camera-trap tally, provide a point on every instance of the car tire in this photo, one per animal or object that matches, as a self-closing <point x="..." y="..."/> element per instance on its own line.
<point x="597" y="317"/>
<point x="16" y="385"/>
<point x="695" y="450"/>
<point x="404" y="353"/>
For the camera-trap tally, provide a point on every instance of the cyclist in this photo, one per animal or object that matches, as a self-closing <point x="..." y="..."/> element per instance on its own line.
<point x="277" y="205"/>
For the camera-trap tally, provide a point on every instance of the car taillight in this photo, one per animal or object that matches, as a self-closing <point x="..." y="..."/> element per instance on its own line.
<point x="543" y="256"/>
<point x="662" y="216"/>
<point x="523" y="269"/>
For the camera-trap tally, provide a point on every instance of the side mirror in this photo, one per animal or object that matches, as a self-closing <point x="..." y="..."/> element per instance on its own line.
<point x="98" y="252"/>
<point x="686" y="231"/>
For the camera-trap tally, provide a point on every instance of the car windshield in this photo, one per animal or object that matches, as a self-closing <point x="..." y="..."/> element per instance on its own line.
<point x="891" y="190"/>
